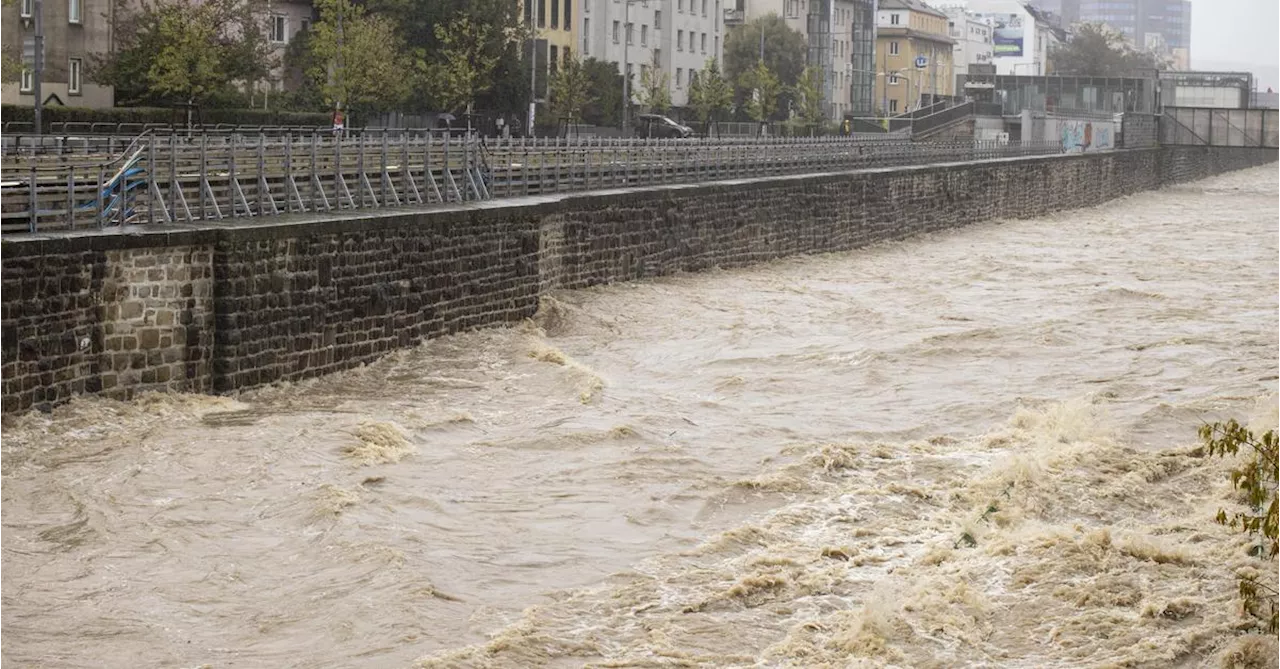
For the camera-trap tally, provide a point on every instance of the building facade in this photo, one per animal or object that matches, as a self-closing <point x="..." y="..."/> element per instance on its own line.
<point x="1137" y="19"/>
<point x="915" y="52"/>
<point x="972" y="36"/>
<point x="680" y="36"/>
<point x="1022" y="36"/>
<point x="286" y="20"/>
<point x="862" y="65"/>
<point x="74" y="30"/>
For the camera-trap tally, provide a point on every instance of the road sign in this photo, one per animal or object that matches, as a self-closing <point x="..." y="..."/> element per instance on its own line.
<point x="922" y="62"/>
<point x="29" y="51"/>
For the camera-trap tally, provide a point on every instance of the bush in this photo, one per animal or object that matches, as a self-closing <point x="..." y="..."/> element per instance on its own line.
<point x="1256" y="478"/>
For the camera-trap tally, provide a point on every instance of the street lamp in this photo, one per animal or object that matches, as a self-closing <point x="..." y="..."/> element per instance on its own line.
<point x="886" y="75"/>
<point x="626" y="63"/>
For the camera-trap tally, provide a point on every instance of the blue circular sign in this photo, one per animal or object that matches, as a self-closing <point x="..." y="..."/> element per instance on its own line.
<point x="922" y="62"/>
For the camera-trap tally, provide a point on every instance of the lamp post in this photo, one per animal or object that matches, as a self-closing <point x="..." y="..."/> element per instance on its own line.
<point x="626" y="64"/>
<point x="886" y="75"/>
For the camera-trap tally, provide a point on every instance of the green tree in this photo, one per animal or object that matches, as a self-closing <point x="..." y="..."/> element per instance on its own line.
<point x="604" y="105"/>
<point x="463" y="68"/>
<point x="356" y="60"/>
<point x="709" y="94"/>
<point x="655" y="87"/>
<point x="1256" y="477"/>
<point x="808" y="94"/>
<point x="1097" y="50"/>
<point x="765" y="89"/>
<point x="570" y="90"/>
<point x="784" y="53"/>
<point x="10" y="63"/>
<point x="502" y="48"/>
<point x="176" y="51"/>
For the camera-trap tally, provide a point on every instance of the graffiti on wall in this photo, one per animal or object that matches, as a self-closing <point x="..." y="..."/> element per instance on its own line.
<point x="1082" y="136"/>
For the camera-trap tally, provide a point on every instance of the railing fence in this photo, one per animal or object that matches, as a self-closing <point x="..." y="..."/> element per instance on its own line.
<point x="174" y="178"/>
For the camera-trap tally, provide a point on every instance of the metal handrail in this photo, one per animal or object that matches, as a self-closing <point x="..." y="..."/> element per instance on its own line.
<point x="171" y="178"/>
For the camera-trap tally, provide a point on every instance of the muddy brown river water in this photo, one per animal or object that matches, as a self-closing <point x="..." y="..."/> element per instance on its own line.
<point x="965" y="449"/>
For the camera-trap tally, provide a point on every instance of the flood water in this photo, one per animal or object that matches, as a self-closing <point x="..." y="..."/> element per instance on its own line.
<point x="965" y="449"/>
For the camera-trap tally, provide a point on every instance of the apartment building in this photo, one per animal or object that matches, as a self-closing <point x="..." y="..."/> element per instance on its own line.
<point x="972" y="36"/>
<point x="556" y="24"/>
<point x="679" y="35"/>
<point x="915" y="52"/>
<point x="1022" y="35"/>
<point x="840" y="38"/>
<point x="285" y="21"/>
<point x="74" y="30"/>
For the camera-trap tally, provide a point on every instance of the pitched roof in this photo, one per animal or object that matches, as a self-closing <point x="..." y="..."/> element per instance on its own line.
<point x="913" y="5"/>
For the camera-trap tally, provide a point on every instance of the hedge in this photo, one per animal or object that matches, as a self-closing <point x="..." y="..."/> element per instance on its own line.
<point x="160" y="115"/>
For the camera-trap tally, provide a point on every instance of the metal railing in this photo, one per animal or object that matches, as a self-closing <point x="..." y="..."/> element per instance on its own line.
<point x="939" y="119"/>
<point x="171" y="178"/>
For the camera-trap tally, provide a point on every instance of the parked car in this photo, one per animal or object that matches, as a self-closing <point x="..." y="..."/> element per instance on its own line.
<point x="661" y="127"/>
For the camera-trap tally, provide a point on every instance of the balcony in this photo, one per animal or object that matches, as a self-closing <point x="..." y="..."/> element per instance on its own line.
<point x="734" y="17"/>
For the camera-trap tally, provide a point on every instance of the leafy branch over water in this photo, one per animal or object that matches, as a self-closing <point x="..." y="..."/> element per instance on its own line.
<point x="1256" y="477"/>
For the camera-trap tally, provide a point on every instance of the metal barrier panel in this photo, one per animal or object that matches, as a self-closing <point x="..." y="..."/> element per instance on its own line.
<point x="1202" y="126"/>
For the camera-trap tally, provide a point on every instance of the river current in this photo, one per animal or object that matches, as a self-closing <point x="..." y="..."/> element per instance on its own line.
<point x="971" y="448"/>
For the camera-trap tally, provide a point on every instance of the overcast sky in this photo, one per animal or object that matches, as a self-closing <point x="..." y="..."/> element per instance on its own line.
<point x="1237" y="35"/>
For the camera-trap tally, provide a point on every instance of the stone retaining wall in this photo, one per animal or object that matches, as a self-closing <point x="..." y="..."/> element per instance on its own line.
<point x="217" y="308"/>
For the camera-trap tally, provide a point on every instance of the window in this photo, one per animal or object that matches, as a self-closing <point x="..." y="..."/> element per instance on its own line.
<point x="542" y="13"/>
<point x="567" y="56"/>
<point x="73" y="76"/>
<point x="679" y="76"/>
<point x="28" y="83"/>
<point x="555" y="14"/>
<point x="893" y="48"/>
<point x="704" y="7"/>
<point x="27" y="8"/>
<point x="277" y="28"/>
<point x="680" y="5"/>
<point x="305" y="26"/>
<point x="644" y="72"/>
<point x="717" y="14"/>
<point x="568" y="14"/>
<point x="553" y="59"/>
<point x="586" y="6"/>
<point x="717" y="51"/>
<point x="586" y="39"/>
<point x="894" y="19"/>
<point x="893" y="79"/>
<point x="679" y="40"/>
<point x="657" y="19"/>
<point x="616" y="26"/>
<point x="630" y="33"/>
<point x="528" y="12"/>
<point x="73" y="11"/>
<point x="704" y="42"/>
<point x="893" y="106"/>
<point x="644" y="35"/>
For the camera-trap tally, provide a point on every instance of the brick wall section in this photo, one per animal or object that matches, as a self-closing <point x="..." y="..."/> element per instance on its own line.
<point x="157" y="320"/>
<point x="1139" y="130"/>
<point x="296" y="307"/>
<point x="220" y="308"/>
<point x="50" y="343"/>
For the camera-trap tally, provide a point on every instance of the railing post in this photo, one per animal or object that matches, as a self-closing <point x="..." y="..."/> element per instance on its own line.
<point x="151" y="180"/>
<point x="97" y="196"/>
<point x="71" y="198"/>
<point x="231" y="173"/>
<point x="204" y="174"/>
